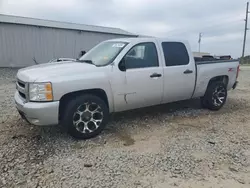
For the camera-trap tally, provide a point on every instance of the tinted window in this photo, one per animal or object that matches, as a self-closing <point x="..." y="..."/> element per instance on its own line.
<point x="141" y="56"/>
<point x="175" y="53"/>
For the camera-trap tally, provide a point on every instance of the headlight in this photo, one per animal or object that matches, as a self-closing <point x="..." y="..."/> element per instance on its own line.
<point x="40" y="92"/>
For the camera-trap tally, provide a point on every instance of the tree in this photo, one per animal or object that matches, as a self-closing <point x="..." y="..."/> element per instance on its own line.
<point x="245" y="60"/>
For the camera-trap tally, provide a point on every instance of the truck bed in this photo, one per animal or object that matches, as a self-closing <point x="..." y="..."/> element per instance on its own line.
<point x="198" y="62"/>
<point x="205" y="70"/>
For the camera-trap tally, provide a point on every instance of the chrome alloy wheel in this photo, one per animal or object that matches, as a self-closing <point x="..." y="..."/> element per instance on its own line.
<point x="88" y="117"/>
<point x="219" y="96"/>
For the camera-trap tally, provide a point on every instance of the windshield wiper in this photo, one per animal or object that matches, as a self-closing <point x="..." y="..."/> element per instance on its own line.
<point x="85" y="61"/>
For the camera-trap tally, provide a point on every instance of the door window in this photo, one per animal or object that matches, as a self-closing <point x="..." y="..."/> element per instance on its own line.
<point x="142" y="56"/>
<point x="175" y="53"/>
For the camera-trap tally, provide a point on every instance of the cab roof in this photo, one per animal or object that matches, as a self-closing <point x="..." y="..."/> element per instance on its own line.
<point x="145" y="39"/>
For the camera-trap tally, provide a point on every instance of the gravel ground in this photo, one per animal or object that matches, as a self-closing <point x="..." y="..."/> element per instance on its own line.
<point x="173" y="145"/>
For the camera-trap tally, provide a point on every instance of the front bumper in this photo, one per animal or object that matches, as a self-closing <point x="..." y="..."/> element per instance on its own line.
<point x="235" y="84"/>
<point x="38" y="113"/>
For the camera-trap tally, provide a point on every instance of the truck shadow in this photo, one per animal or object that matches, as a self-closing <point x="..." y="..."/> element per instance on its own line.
<point x="40" y="143"/>
<point x="182" y="108"/>
<point x="153" y="111"/>
<point x="122" y="124"/>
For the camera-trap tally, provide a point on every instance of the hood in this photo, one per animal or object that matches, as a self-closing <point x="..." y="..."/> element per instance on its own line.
<point x="46" y="72"/>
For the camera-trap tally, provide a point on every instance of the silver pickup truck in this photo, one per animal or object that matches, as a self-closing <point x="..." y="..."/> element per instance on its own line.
<point x="119" y="75"/>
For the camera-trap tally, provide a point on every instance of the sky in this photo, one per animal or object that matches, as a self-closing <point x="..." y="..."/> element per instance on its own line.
<point x="221" y="22"/>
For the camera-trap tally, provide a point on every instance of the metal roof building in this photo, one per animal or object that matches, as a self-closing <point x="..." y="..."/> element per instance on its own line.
<point x="27" y="41"/>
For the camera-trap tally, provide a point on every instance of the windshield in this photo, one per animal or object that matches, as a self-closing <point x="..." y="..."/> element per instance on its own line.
<point x="104" y="53"/>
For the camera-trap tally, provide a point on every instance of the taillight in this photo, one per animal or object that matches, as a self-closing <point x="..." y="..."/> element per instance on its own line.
<point x="238" y="70"/>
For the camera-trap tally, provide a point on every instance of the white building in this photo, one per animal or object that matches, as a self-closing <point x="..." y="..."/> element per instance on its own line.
<point x="24" y="41"/>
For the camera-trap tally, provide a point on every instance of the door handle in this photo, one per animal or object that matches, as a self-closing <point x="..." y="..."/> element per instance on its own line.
<point x="155" y="75"/>
<point x="188" y="71"/>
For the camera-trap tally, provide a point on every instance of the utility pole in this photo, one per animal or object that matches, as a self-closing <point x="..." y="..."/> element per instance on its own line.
<point x="199" y="41"/>
<point x="245" y="33"/>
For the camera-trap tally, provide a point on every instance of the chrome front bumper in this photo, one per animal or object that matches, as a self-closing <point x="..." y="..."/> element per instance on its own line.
<point x="38" y="113"/>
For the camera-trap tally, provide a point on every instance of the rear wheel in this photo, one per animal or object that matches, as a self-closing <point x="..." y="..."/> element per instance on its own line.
<point x="215" y="97"/>
<point x="85" y="116"/>
<point x="203" y="102"/>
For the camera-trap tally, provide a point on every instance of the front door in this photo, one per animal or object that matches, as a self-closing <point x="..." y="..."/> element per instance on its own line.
<point x="144" y="76"/>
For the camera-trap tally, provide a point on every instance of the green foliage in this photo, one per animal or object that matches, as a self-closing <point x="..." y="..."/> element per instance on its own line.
<point x="245" y="60"/>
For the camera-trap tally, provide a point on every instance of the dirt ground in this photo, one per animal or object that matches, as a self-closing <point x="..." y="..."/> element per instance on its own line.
<point x="172" y="145"/>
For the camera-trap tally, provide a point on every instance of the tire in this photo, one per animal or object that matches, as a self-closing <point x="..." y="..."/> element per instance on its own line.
<point x="85" y="116"/>
<point x="215" y="96"/>
<point x="203" y="102"/>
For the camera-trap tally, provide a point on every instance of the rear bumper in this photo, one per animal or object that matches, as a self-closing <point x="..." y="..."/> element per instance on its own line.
<point x="38" y="113"/>
<point x="235" y="84"/>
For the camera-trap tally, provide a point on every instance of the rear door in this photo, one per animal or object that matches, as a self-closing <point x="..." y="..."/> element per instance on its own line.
<point x="179" y="72"/>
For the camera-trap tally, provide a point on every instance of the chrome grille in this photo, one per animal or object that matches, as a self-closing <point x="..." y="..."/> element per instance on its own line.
<point x="21" y="88"/>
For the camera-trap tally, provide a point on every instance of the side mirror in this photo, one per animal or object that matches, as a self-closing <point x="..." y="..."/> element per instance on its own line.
<point x="122" y="65"/>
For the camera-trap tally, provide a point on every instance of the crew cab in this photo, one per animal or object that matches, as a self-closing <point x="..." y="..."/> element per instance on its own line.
<point x="119" y="75"/>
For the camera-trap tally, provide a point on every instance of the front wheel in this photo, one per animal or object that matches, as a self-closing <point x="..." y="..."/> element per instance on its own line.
<point x="85" y="116"/>
<point x="216" y="96"/>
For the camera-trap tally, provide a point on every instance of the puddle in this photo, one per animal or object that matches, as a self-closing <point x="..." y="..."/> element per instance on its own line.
<point x="77" y="145"/>
<point x="126" y="138"/>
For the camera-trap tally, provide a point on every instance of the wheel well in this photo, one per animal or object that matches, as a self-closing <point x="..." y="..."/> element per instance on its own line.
<point x="65" y="98"/>
<point x="223" y="79"/>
